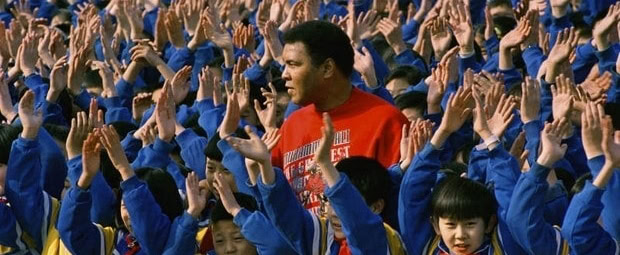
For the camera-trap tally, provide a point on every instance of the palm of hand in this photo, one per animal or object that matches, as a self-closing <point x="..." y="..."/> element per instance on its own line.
<point x="434" y="95"/>
<point x="254" y="149"/>
<point x="496" y="124"/>
<point x="551" y="145"/>
<point x="512" y="39"/>
<point x="463" y="33"/>
<point x="559" y="52"/>
<point x="561" y="105"/>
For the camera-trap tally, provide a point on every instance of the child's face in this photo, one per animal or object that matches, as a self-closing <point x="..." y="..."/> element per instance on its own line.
<point x="461" y="237"/>
<point x="125" y="216"/>
<point x="227" y="239"/>
<point x="214" y="167"/>
<point x="334" y="221"/>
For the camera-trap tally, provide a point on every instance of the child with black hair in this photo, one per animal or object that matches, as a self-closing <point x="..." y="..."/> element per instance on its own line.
<point x="581" y="226"/>
<point x="151" y="211"/>
<point x="228" y="237"/>
<point x="353" y="224"/>
<point x="462" y="212"/>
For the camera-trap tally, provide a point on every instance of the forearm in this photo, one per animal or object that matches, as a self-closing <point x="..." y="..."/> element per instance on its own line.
<point x="505" y="58"/>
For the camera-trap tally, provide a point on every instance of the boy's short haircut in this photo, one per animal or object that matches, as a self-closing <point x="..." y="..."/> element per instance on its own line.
<point x="412" y="99"/>
<point x="453" y="168"/>
<point x="219" y="212"/>
<point x="461" y="199"/>
<point x="213" y="152"/>
<point x="579" y="184"/>
<point x="8" y="134"/>
<point x="323" y="40"/>
<point x="164" y="190"/>
<point x="367" y="175"/>
<point x="409" y="73"/>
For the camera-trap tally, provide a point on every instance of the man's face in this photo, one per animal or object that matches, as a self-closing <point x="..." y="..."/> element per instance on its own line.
<point x="397" y="86"/>
<point x="227" y="239"/>
<point x="214" y="167"/>
<point x="302" y="78"/>
<point x="461" y="237"/>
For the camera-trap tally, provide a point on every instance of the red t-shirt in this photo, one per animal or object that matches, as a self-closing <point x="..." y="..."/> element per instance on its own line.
<point x="365" y="125"/>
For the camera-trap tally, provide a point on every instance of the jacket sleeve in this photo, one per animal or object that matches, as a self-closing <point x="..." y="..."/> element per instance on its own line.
<point x="477" y="166"/>
<point x="192" y="151"/>
<point x="131" y="146"/>
<point x="297" y="225"/>
<point x="364" y="229"/>
<point x="104" y="200"/>
<point x="8" y="228"/>
<point x="76" y="230"/>
<point x="610" y="214"/>
<point x="30" y="204"/>
<point x="533" y="57"/>
<point x="415" y="197"/>
<point x="150" y="225"/>
<point x="182" y="238"/>
<point x="580" y="228"/>
<point x="157" y="155"/>
<point x="258" y="230"/>
<point x="525" y="215"/>
<point x="532" y="139"/>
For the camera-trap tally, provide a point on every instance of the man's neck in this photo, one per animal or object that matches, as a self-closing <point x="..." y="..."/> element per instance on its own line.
<point x="335" y="95"/>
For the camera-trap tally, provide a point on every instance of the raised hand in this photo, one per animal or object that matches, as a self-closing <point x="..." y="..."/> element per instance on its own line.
<point x="517" y="150"/>
<point x="460" y="22"/>
<point x="502" y="116"/>
<point x="437" y="86"/>
<point x="58" y="79"/>
<point x="112" y="144"/>
<point x="597" y="84"/>
<point x="413" y="141"/>
<point x="517" y="35"/>
<point x="241" y="86"/>
<point x="243" y="38"/>
<point x="271" y="138"/>
<point x="233" y="114"/>
<point x="457" y="110"/>
<point x="139" y="104"/>
<point x="6" y="105"/>
<point x="180" y="84"/>
<point x="551" y="139"/>
<point x="440" y="36"/>
<point x="365" y="66"/>
<point x="29" y="54"/>
<point x="603" y="27"/>
<point x="196" y="197"/>
<point x="174" y="29"/>
<point x="530" y="100"/>
<point x="160" y="32"/>
<point x="191" y="14"/>
<point x="562" y="97"/>
<point x="91" y="158"/>
<point x="366" y="24"/>
<point x="165" y="114"/>
<point x="253" y="148"/>
<point x="107" y="78"/>
<point x="147" y="135"/>
<point x="481" y="125"/>
<point x="393" y="35"/>
<point x="226" y="195"/>
<point x="322" y="155"/>
<point x="611" y="142"/>
<point x="31" y="119"/>
<point x="262" y="14"/>
<point x="77" y="135"/>
<point x="566" y="41"/>
<point x="272" y="41"/>
<point x="267" y="116"/>
<point x="205" y="85"/>
<point x="591" y="126"/>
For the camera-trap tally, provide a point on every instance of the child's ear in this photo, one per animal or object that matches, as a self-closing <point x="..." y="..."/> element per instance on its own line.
<point x="377" y="207"/>
<point x="435" y="223"/>
<point x="491" y="224"/>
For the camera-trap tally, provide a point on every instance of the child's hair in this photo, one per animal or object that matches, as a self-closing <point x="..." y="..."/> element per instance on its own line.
<point x="409" y="73"/>
<point x="367" y="175"/>
<point x="460" y="199"/>
<point x="8" y="134"/>
<point x="213" y="152"/>
<point x="219" y="213"/>
<point x="566" y="177"/>
<point x="453" y="168"/>
<point x="413" y="99"/>
<point x="503" y="25"/>
<point x="497" y="3"/>
<point x="57" y="132"/>
<point x="164" y="190"/>
<point x="579" y="184"/>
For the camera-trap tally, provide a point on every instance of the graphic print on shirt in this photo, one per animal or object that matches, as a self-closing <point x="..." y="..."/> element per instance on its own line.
<point x="305" y="178"/>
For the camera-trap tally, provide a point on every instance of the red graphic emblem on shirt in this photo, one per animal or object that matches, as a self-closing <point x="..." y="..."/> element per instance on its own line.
<point x="315" y="184"/>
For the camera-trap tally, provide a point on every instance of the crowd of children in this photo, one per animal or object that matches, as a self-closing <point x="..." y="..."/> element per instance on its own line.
<point x="310" y="127"/>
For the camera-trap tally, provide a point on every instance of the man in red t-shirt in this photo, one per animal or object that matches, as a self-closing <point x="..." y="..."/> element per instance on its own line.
<point x="318" y="63"/>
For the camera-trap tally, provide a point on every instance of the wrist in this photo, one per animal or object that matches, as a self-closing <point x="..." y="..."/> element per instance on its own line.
<point x="559" y="11"/>
<point x="399" y="48"/>
<point x="84" y="181"/>
<point x="27" y="71"/>
<point x="195" y="213"/>
<point x="235" y="210"/>
<point x="466" y="50"/>
<point x="30" y="133"/>
<point x="545" y="160"/>
<point x="166" y="137"/>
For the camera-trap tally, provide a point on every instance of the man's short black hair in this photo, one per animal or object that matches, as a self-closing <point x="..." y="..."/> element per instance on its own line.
<point x="324" y="40"/>
<point x="411" y="99"/>
<point x="409" y="73"/>
<point x="219" y="212"/>
<point x="460" y="199"/>
<point x="367" y="175"/>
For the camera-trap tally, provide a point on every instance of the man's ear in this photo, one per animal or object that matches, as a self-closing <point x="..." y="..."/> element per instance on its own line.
<point x="435" y="223"/>
<point x="328" y="68"/>
<point x="491" y="224"/>
<point x="377" y="207"/>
